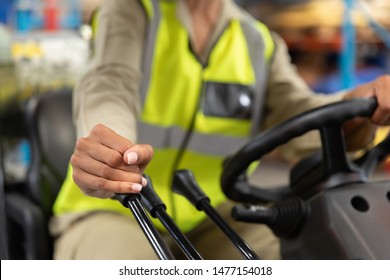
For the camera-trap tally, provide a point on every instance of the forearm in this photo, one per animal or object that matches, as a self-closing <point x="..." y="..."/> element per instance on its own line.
<point x="108" y="93"/>
<point x="102" y="98"/>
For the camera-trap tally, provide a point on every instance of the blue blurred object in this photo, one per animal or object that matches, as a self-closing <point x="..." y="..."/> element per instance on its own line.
<point x="5" y="10"/>
<point x="24" y="13"/>
<point x="334" y="82"/>
<point x="25" y="152"/>
<point x="348" y="53"/>
<point x="23" y="20"/>
<point x="72" y="18"/>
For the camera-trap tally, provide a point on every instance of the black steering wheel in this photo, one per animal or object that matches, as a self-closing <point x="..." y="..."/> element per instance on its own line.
<point x="329" y="209"/>
<point x="329" y="168"/>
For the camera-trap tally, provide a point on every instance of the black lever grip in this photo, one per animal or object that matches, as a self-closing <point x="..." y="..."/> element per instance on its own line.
<point x="149" y="199"/>
<point x="184" y="183"/>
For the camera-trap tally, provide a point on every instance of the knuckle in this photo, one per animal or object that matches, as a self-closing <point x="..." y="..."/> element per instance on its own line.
<point x="77" y="178"/>
<point x="133" y="168"/>
<point x="74" y="160"/>
<point x="105" y="171"/>
<point x="97" y="129"/>
<point x="81" y="143"/>
<point x="114" y="159"/>
<point x="386" y="78"/>
<point x="75" y="175"/>
<point x="100" y="184"/>
<point x="383" y="80"/>
<point x="150" y="151"/>
<point x="137" y="178"/>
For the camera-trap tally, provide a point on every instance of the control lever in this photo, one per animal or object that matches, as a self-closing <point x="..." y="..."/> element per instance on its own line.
<point x="157" y="209"/>
<point x="284" y="218"/>
<point x="184" y="183"/>
<point x="132" y="201"/>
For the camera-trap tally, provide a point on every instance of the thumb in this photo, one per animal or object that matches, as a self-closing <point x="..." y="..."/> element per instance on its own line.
<point x="140" y="154"/>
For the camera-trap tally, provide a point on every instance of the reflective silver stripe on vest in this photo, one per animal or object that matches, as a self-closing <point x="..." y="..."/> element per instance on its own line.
<point x="172" y="137"/>
<point x="149" y="50"/>
<point x="255" y="40"/>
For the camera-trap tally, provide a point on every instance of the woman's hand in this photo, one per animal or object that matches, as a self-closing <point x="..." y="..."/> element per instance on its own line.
<point x="360" y="132"/>
<point x="380" y="89"/>
<point x="105" y="163"/>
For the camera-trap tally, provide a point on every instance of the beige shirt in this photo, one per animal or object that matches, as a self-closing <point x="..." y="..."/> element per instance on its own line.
<point x="108" y="93"/>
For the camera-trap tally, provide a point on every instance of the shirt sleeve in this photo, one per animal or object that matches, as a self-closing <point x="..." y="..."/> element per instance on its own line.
<point x="288" y="95"/>
<point x="109" y="91"/>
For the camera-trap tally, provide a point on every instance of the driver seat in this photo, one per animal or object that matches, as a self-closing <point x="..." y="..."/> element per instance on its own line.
<point x="52" y="137"/>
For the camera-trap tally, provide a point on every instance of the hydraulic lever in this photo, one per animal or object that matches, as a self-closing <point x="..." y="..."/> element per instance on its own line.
<point x="157" y="209"/>
<point x="184" y="183"/>
<point x="132" y="201"/>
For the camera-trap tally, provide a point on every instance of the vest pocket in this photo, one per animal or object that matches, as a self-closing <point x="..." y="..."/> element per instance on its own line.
<point x="227" y="100"/>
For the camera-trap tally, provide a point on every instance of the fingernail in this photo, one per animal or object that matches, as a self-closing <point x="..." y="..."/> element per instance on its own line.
<point x="136" y="187"/>
<point x="131" y="157"/>
<point x="144" y="182"/>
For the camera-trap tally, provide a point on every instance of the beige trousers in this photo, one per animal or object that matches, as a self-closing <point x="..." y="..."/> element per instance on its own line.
<point x="111" y="236"/>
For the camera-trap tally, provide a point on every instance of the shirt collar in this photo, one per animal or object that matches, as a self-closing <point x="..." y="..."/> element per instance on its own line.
<point x="230" y="11"/>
